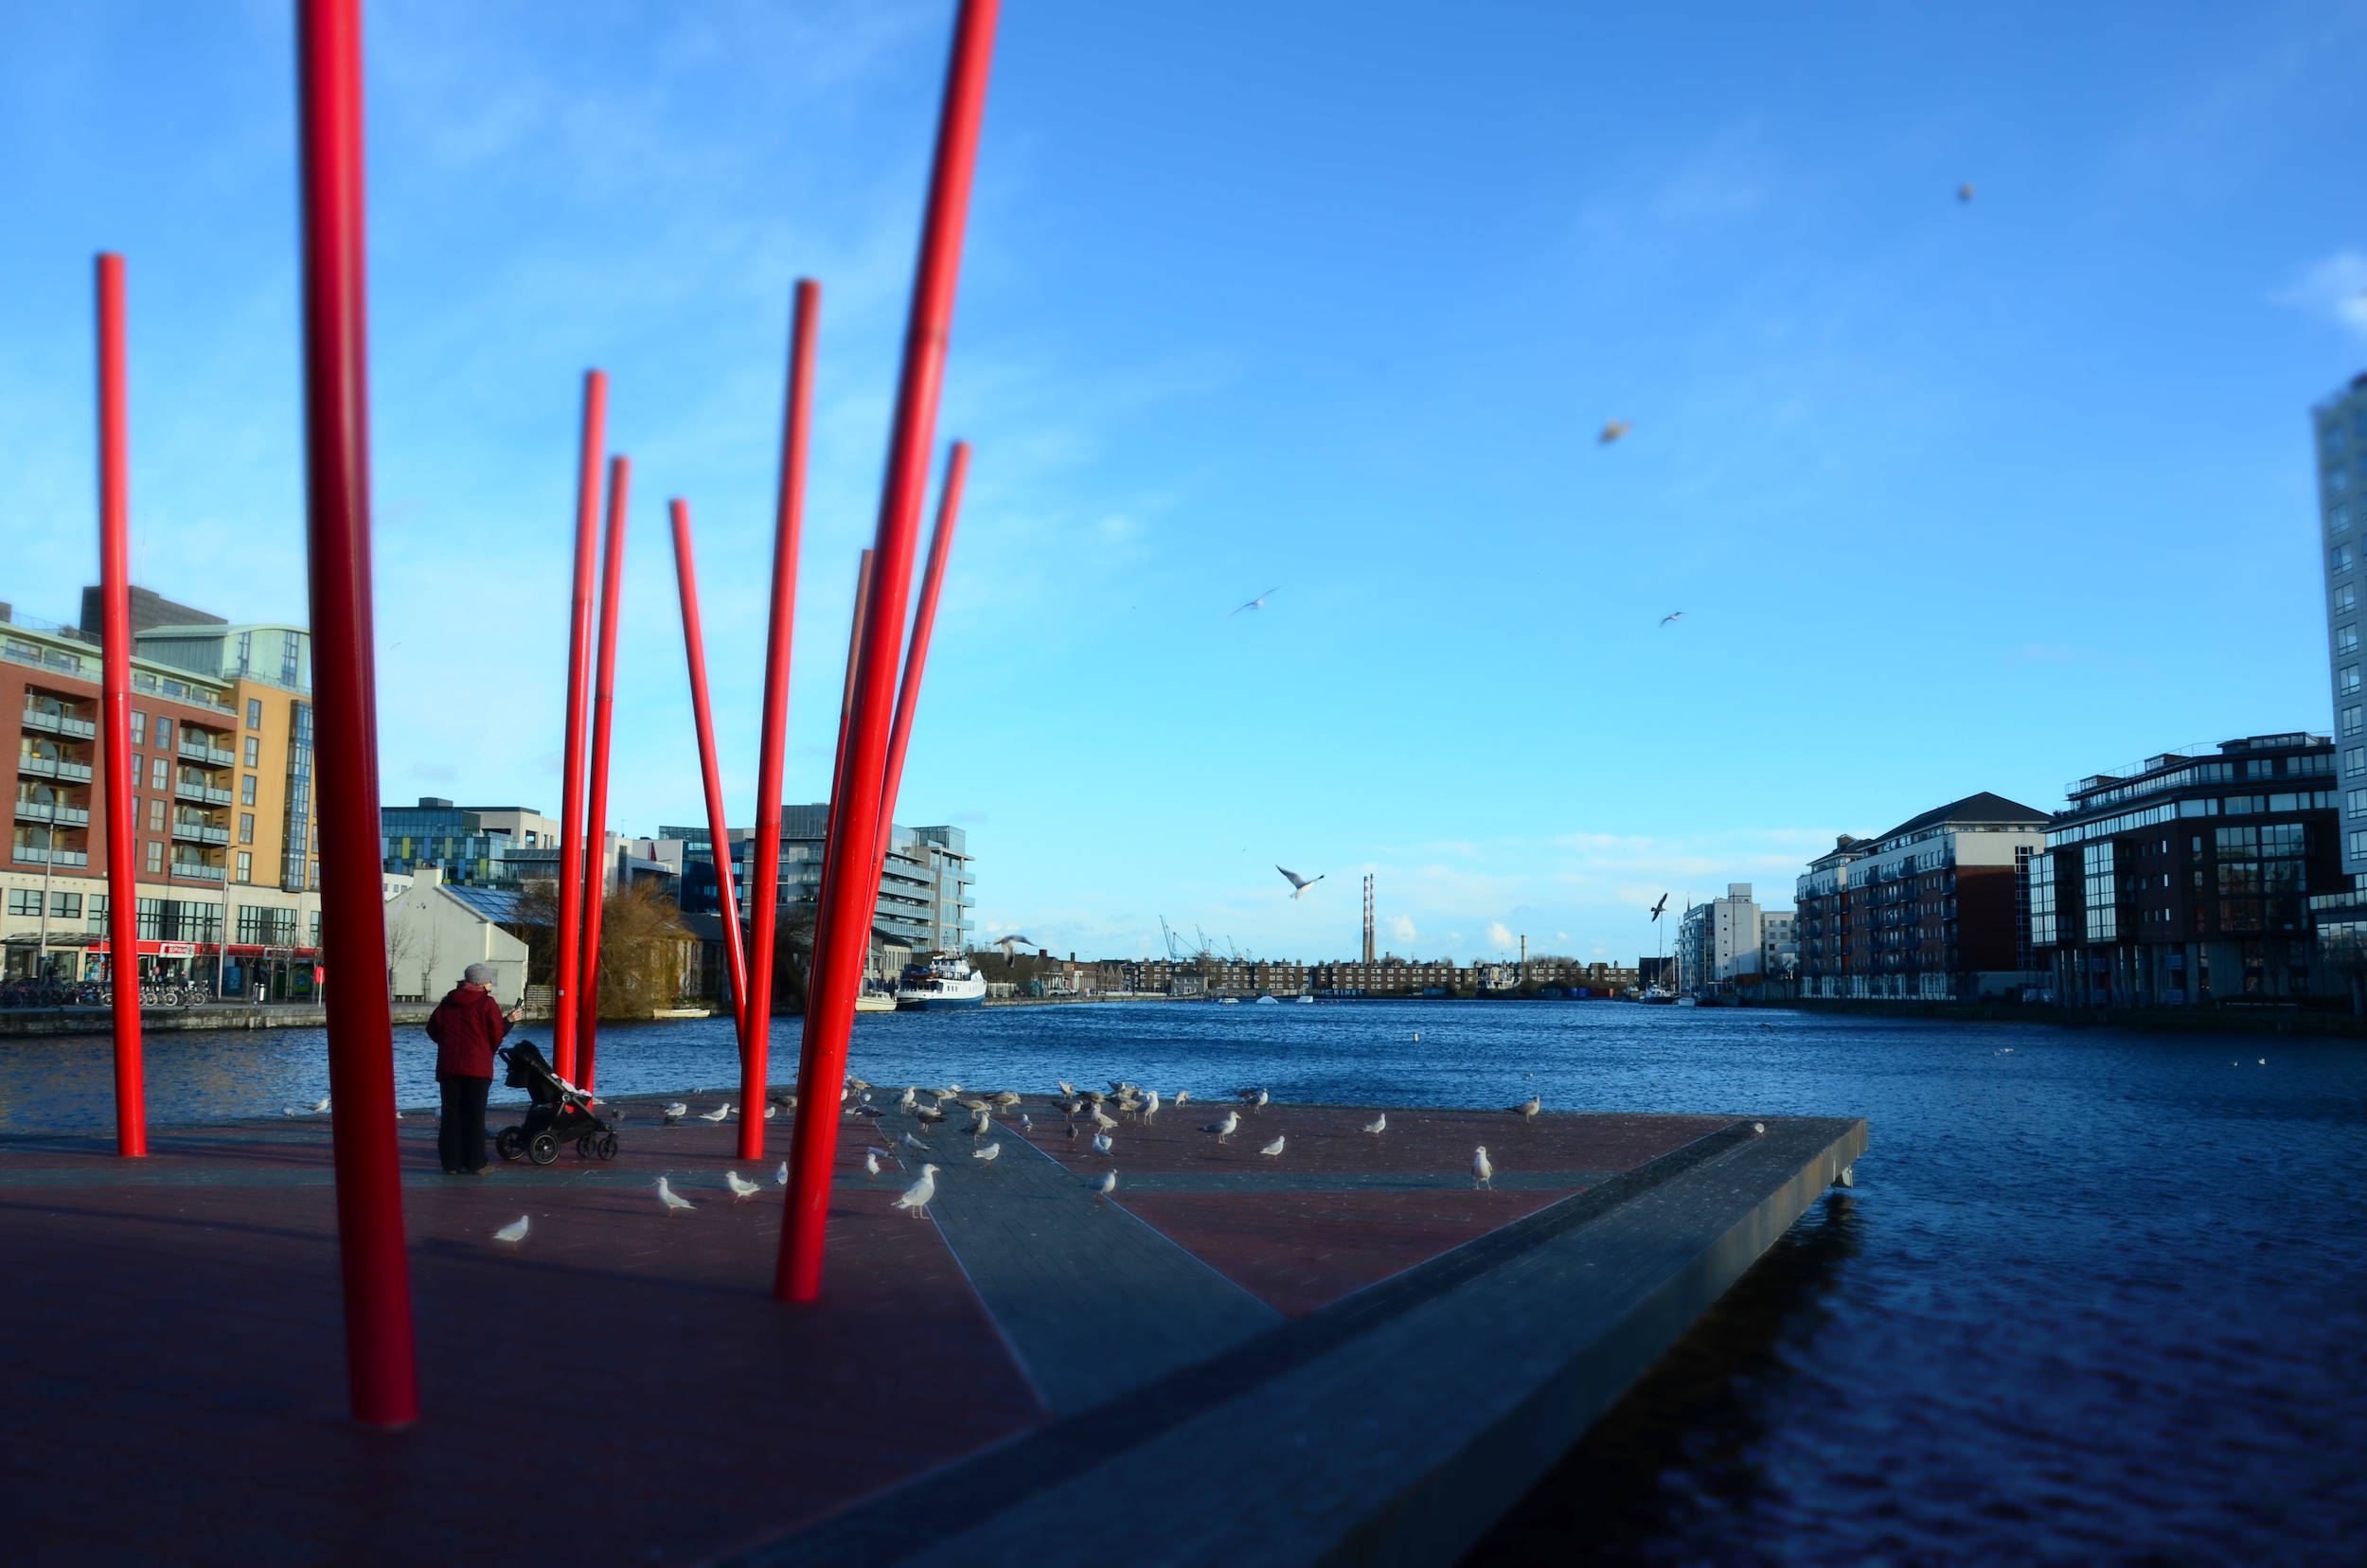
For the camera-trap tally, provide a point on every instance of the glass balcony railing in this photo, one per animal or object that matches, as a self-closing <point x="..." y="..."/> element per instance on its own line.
<point x="201" y="793"/>
<point x="40" y="855"/>
<point x="213" y="757"/>
<point x="198" y="869"/>
<point x="59" y="724"/>
<point x="50" y="767"/>
<point x="201" y="832"/>
<point x="41" y="810"/>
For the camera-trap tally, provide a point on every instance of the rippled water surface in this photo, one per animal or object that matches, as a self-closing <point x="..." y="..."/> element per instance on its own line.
<point x="2095" y="1298"/>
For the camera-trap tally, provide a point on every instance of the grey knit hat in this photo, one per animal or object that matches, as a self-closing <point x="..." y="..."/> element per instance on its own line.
<point x="478" y="974"/>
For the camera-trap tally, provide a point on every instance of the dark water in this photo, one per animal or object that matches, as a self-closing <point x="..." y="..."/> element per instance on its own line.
<point x="2097" y="1298"/>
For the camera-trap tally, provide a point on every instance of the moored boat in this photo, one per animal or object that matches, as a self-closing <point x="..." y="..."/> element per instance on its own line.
<point x="943" y="981"/>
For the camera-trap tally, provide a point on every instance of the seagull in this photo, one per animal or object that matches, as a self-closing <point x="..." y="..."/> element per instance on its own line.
<point x="989" y="1153"/>
<point x="1379" y="1124"/>
<point x="675" y="1111"/>
<point x="1613" y="430"/>
<point x="1661" y="907"/>
<point x="982" y="1125"/>
<point x="1758" y="1130"/>
<point x="1964" y="192"/>
<point x="771" y="1112"/>
<point x="1101" y="1144"/>
<point x="780" y="1177"/>
<point x="911" y="1142"/>
<point x="513" y="1231"/>
<point x="1151" y="1106"/>
<point x="1257" y="603"/>
<point x="1528" y="1107"/>
<point x="1483" y="1174"/>
<point x="1672" y="618"/>
<point x="670" y="1199"/>
<point x="1025" y="1124"/>
<point x="1066" y="1087"/>
<point x="718" y="1113"/>
<point x="1183" y="1096"/>
<point x="928" y="1115"/>
<point x="1298" y="884"/>
<point x="918" y="1195"/>
<point x="1108" y="1185"/>
<point x="1226" y="1127"/>
<point x="870" y="1164"/>
<point x="1104" y="1121"/>
<point x="1007" y="1098"/>
<point x="320" y="1108"/>
<point x="742" y="1190"/>
<point x="911" y="1093"/>
<point x="1274" y="1148"/>
<point x="1768" y="1026"/>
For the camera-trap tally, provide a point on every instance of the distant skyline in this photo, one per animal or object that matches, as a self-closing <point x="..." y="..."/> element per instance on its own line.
<point x="1330" y="302"/>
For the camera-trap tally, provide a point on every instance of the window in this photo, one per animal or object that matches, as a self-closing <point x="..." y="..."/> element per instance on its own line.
<point x="255" y="713"/>
<point x="255" y="747"/>
<point x="156" y="855"/>
<point x="2338" y="520"/>
<point x="2096" y="865"/>
<point x="155" y="815"/>
<point x="2340" y="479"/>
<point x="2358" y="847"/>
<point x="246" y="791"/>
<point x="2345" y="642"/>
<point x="139" y="727"/>
<point x="2355" y="803"/>
<point x="24" y="900"/>
<point x="2340" y="560"/>
<point x="160" y="772"/>
<point x="163" y="733"/>
<point x="2345" y="597"/>
<point x="247" y="824"/>
<point x="66" y="906"/>
<point x="246" y="865"/>
<point x="2351" y="723"/>
<point x="288" y="657"/>
<point x="246" y="652"/>
<point x="2348" y="681"/>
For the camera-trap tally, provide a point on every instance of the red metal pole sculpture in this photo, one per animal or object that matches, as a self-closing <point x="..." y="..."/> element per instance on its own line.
<point x="851" y="857"/>
<point x="916" y="656"/>
<point x="565" y="981"/>
<point x="695" y="654"/>
<point x="845" y="709"/>
<point x="764" y="844"/>
<point x="597" y="864"/>
<point x="380" y="1355"/>
<point x="115" y="590"/>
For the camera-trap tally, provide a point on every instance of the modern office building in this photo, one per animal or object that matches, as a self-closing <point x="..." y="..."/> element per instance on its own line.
<point x="475" y="845"/>
<point x="925" y="891"/>
<point x="222" y="834"/>
<point x="1935" y="910"/>
<point x="1719" y="942"/>
<point x="2187" y="879"/>
<point x="2339" y="425"/>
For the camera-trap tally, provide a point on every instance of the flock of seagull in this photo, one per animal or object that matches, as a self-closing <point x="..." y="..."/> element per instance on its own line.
<point x="1093" y="1113"/>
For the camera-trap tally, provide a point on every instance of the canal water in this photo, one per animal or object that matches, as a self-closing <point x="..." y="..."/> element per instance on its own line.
<point x="2096" y="1297"/>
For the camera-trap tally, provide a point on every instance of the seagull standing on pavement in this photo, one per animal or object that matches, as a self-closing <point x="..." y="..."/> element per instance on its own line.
<point x="1528" y="1109"/>
<point x="1150" y="1105"/>
<point x="670" y="1199"/>
<point x="911" y="1142"/>
<point x="1101" y="1144"/>
<point x="1483" y="1174"/>
<point x="513" y="1231"/>
<point x="718" y="1113"/>
<point x="1379" y="1124"/>
<point x="1226" y="1127"/>
<point x="988" y="1153"/>
<point x="741" y="1191"/>
<point x="916" y="1196"/>
<point x="674" y="1111"/>
<point x="1025" y="1122"/>
<point x="780" y="1177"/>
<point x="1273" y="1148"/>
<point x="870" y="1164"/>
<point x="1108" y="1185"/>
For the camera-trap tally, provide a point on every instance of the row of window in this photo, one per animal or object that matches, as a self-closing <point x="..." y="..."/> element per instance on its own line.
<point x="170" y="920"/>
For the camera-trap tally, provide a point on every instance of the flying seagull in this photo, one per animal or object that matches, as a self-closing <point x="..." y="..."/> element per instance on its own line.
<point x="918" y="1195"/>
<point x="1673" y="616"/>
<point x="670" y="1199"/>
<point x="1964" y="192"/>
<point x="1613" y="430"/>
<point x="513" y="1231"/>
<point x="1298" y="884"/>
<point x="1661" y="907"/>
<point x="741" y="1191"/>
<point x="1257" y="603"/>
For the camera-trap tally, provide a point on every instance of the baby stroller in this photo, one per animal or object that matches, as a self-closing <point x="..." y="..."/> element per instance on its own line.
<point x="560" y="1111"/>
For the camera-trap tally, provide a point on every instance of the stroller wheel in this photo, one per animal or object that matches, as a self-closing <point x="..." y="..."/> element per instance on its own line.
<point x="605" y="1146"/>
<point x="510" y="1142"/>
<point x="543" y="1149"/>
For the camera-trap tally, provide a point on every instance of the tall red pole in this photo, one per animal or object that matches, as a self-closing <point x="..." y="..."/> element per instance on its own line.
<point x="916" y="656"/>
<point x="845" y="712"/>
<point x="115" y="590"/>
<point x="565" y="981"/>
<point x="702" y="718"/>
<point x="764" y="844"/>
<point x="379" y="1349"/>
<point x="850" y="866"/>
<point x="596" y="865"/>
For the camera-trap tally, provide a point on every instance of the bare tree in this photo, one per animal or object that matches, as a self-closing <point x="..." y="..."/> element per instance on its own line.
<point x="402" y="939"/>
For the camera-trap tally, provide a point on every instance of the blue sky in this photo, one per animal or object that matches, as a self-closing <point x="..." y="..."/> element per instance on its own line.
<point x="1954" y="495"/>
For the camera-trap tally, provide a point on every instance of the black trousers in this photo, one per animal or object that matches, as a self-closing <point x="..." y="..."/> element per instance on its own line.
<point x="460" y="1138"/>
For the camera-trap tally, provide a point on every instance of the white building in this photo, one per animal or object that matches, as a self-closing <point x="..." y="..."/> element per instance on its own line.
<point x="1719" y="942"/>
<point x="433" y="935"/>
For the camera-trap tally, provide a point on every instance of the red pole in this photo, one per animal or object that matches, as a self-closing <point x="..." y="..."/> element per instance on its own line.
<point x="846" y="710"/>
<point x="596" y="865"/>
<point x="695" y="653"/>
<point x="115" y="590"/>
<point x="851" y="865"/>
<point x="564" y="981"/>
<point x="917" y="657"/>
<point x="379" y="1349"/>
<point x="764" y="845"/>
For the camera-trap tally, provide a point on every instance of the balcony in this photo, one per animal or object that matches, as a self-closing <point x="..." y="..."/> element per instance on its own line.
<point x="212" y="756"/>
<point x="61" y="723"/>
<point x="64" y="816"/>
<point x="200" y="832"/>
<point x="197" y="870"/>
<point x="50" y="767"/>
<point x="39" y="856"/>
<point x="200" y="795"/>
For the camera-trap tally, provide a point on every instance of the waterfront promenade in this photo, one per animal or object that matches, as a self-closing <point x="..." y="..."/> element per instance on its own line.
<point x="1343" y="1340"/>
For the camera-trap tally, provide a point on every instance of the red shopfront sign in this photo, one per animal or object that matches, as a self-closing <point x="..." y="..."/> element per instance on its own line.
<point x="192" y="950"/>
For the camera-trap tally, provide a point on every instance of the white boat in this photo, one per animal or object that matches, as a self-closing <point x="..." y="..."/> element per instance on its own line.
<point x="945" y="980"/>
<point x="1268" y="1002"/>
<point x="1688" y="1001"/>
<point x="1307" y="1000"/>
<point x="875" y="1000"/>
<point x="1229" y="1000"/>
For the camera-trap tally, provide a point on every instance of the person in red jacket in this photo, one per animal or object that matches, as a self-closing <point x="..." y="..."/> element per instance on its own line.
<point x="466" y="1027"/>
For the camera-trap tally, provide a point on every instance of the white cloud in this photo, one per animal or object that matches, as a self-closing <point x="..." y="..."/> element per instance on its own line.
<point x="2335" y="288"/>
<point x="1402" y="927"/>
<point x="1499" y="934"/>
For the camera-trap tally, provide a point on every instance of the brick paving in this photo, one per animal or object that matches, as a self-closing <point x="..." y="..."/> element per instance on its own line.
<point x="172" y="1377"/>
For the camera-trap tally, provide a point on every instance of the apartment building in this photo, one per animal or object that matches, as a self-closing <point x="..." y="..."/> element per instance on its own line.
<point x="222" y="836"/>
<point x="1720" y="942"/>
<point x="1388" y="975"/>
<point x="925" y="898"/>
<point x="1936" y="909"/>
<point x="2187" y="879"/>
